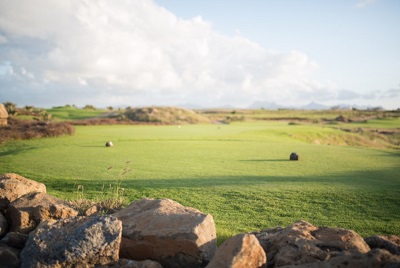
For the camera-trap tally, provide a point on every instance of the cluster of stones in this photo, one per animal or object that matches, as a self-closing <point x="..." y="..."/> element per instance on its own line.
<point x="39" y="230"/>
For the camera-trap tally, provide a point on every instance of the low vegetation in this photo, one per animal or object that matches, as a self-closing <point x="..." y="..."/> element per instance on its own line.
<point x="236" y="169"/>
<point x="24" y="129"/>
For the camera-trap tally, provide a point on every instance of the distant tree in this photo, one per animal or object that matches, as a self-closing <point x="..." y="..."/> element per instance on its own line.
<point x="11" y="108"/>
<point x="28" y="108"/>
<point x="44" y="116"/>
<point x="89" y="107"/>
<point x="110" y="108"/>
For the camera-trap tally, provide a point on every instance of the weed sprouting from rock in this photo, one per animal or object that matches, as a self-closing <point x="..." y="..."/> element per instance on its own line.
<point x="110" y="199"/>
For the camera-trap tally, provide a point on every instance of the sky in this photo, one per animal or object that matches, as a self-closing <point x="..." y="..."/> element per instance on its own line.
<point x="203" y="53"/>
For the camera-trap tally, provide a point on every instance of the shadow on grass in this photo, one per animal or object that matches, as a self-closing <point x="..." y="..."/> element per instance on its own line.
<point x="375" y="180"/>
<point x="17" y="150"/>
<point x="265" y="160"/>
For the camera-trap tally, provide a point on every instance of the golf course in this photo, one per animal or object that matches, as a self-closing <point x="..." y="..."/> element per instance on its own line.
<point x="238" y="171"/>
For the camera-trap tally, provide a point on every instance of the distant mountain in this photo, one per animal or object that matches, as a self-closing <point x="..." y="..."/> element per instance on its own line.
<point x="274" y="106"/>
<point x="314" y="106"/>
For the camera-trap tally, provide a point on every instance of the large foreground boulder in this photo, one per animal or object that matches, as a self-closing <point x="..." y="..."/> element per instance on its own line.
<point x="242" y="250"/>
<point x="167" y="232"/>
<point x="74" y="242"/>
<point x="13" y="186"/>
<point x="303" y="242"/>
<point x="25" y="213"/>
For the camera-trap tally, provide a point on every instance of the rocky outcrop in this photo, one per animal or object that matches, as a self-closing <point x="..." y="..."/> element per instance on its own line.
<point x="242" y="250"/>
<point x="43" y="231"/>
<point x="165" y="231"/>
<point x="13" y="186"/>
<point x="25" y="213"/>
<point x="303" y="242"/>
<point x="74" y="242"/>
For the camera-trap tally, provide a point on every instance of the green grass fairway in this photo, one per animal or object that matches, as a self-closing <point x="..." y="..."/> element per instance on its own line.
<point x="240" y="173"/>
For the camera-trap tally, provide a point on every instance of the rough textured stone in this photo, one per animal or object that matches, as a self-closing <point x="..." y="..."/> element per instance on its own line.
<point x="389" y="242"/>
<point x="13" y="186"/>
<point x="376" y="258"/>
<point x="124" y="263"/>
<point x="3" y="224"/>
<point x="25" y="213"/>
<point x="242" y="250"/>
<point x="167" y="232"/>
<point x="15" y="240"/>
<point x="74" y="242"/>
<point x="303" y="242"/>
<point x="9" y="257"/>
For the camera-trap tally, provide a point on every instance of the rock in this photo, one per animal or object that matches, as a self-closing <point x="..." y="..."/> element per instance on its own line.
<point x="376" y="258"/>
<point x="242" y="250"/>
<point x="124" y="263"/>
<point x="294" y="156"/>
<point x="3" y="225"/>
<point x="389" y="242"/>
<point x="9" y="257"/>
<point x="73" y="242"/>
<point x="109" y="144"/>
<point x="25" y="213"/>
<point x="15" y="240"/>
<point x="167" y="232"/>
<point x="13" y="186"/>
<point x="303" y="242"/>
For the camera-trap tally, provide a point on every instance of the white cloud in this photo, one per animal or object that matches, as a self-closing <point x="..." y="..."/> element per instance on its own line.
<point x="135" y="50"/>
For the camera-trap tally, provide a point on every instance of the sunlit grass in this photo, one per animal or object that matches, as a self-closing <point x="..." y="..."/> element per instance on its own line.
<point x="240" y="173"/>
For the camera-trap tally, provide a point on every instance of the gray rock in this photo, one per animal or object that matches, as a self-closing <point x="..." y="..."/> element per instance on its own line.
<point x="73" y="242"/>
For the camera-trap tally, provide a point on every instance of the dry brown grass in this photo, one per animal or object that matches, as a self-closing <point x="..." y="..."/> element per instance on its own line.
<point x="24" y="129"/>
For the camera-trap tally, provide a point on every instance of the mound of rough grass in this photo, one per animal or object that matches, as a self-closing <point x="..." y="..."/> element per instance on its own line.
<point x="26" y="130"/>
<point x="165" y="115"/>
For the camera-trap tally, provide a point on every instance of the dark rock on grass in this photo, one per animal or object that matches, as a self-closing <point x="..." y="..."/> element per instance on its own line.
<point x="294" y="156"/>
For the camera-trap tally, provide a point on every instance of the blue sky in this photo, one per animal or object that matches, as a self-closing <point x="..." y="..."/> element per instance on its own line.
<point x="206" y="53"/>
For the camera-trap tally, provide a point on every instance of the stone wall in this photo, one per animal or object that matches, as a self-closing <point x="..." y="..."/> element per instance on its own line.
<point x="39" y="230"/>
